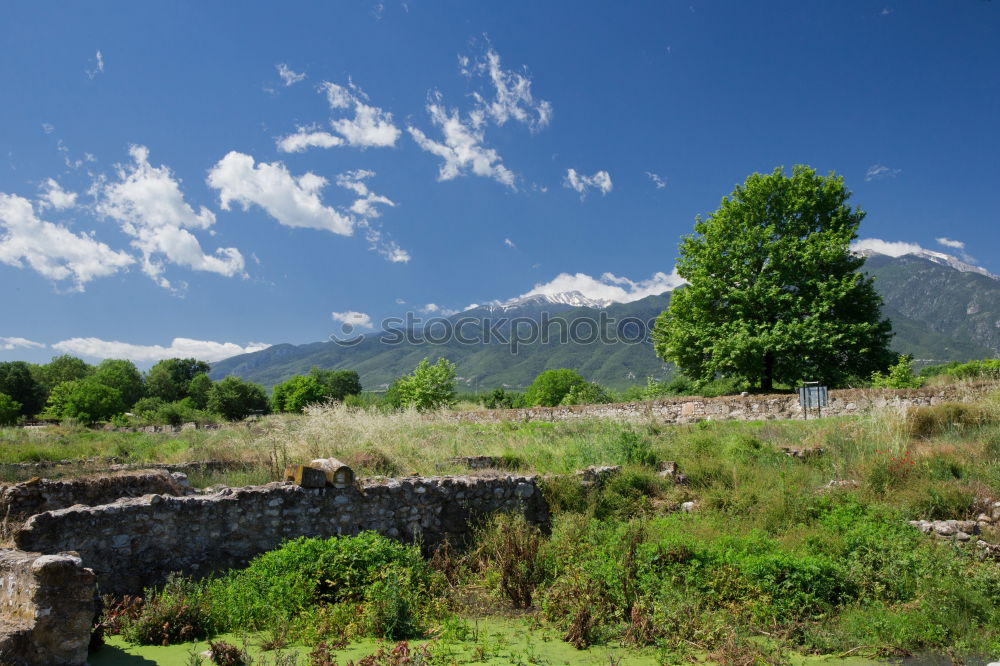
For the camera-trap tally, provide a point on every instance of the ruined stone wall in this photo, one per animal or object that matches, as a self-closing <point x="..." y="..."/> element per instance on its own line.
<point x="134" y="543"/>
<point x="20" y="500"/>
<point x="735" y="408"/>
<point x="47" y="607"/>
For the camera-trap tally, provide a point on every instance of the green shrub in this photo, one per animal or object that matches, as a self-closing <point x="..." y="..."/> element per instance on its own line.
<point x="510" y="545"/>
<point x="899" y="376"/>
<point x="931" y="420"/>
<point x="177" y="613"/>
<point x="552" y="386"/>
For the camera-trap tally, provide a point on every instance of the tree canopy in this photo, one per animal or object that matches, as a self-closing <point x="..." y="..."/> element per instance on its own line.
<point x="552" y="386"/>
<point x="17" y="381"/>
<point x="235" y="399"/>
<point x="774" y="293"/>
<point x="170" y="378"/>
<point x="427" y="387"/>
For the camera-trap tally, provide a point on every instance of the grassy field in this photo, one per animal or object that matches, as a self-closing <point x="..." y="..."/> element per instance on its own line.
<point x="771" y="564"/>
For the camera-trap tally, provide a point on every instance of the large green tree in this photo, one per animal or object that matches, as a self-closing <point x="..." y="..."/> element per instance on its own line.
<point x="64" y="368"/>
<point x="294" y="394"/>
<point x="170" y="378"/>
<point x="774" y="293"/>
<point x="235" y="399"/>
<point x="551" y="387"/>
<point x="17" y="381"/>
<point x="86" y="400"/>
<point x="428" y="387"/>
<point x="121" y="375"/>
<point x="338" y="383"/>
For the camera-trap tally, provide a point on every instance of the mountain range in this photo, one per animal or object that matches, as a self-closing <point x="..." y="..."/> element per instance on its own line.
<point x="942" y="309"/>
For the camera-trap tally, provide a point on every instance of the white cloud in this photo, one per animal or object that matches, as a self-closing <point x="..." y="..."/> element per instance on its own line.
<point x="54" y="196"/>
<point x="292" y="201"/>
<point x="885" y="11"/>
<point x="8" y="344"/>
<point x="148" y="204"/>
<point x="203" y="350"/>
<point x="609" y="287"/>
<point x="370" y="126"/>
<point x="70" y="162"/>
<point x="48" y="128"/>
<point x="657" y="180"/>
<point x="576" y="181"/>
<point x="462" y="149"/>
<point x="889" y="248"/>
<point x="98" y="65"/>
<point x="305" y="138"/>
<point x="365" y="204"/>
<point x="880" y="172"/>
<point x="52" y="250"/>
<point x="947" y="242"/>
<point x="509" y="243"/>
<point x="288" y="77"/>
<point x="352" y="318"/>
<point x="435" y="309"/>
<point x="400" y="301"/>
<point x="512" y="98"/>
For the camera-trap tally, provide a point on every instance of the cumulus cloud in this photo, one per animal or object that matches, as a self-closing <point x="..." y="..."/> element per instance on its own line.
<point x="657" y="180"/>
<point x="305" y="138"/>
<point x="292" y="201"/>
<point x="948" y="242"/>
<point x="370" y="127"/>
<point x="8" y="344"/>
<point x="880" y="172"/>
<point x="148" y="204"/>
<point x="609" y="287"/>
<point x="435" y="309"/>
<point x="512" y="98"/>
<point x="600" y="181"/>
<point x="288" y="77"/>
<point x="54" y="196"/>
<point x="462" y="146"/>
<point x="98" y="65"/>
<point x="352" y="318"/>
<point x="203" y="350"/>
<point x="52" y="250"/>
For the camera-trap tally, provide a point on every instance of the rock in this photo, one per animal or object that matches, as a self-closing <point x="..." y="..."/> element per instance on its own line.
<point x="337" y="473"/>
<point x="983" y="518"/>
<point x="598" y="475"/>
<point x="689" y="507"/>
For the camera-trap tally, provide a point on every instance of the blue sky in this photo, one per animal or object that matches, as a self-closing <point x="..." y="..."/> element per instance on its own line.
<point x="204" y="178"/>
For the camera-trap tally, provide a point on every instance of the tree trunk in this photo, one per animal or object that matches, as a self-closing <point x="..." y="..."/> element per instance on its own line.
<point x="767" y="378"/>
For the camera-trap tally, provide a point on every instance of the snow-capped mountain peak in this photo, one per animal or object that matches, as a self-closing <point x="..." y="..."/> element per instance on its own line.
<point x="566" y="299"/>
<point x="870" y="247"/>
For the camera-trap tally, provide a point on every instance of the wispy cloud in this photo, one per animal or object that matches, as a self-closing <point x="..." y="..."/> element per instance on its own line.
<point x="880" y="172"/>
<point x="462" y="146"/>
<point x="98" y="65"/>
<point x="52" y="250"/>
<point x="308" y="137"/>
<point x="48" y="128"/>
<point x="511" y="97"/>
<point x="9" y="344"/>
<point x="435" y="309"/>
<point x="958" y="246"/>
<point x="203" y="350"/>
<point x="600" y="181"/>
<point x="288" y="76"/>
<point x="657" y="180"/>
<point x="148" y="204"/>
<point x="509" y="243"/>
<point x="885" y="11"/>
<point x="609" y="287"/>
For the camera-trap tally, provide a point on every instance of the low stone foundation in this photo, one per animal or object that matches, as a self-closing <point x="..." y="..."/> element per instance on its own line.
<point x="135" y="543"/>
<point x="19" y="501"/>
<point x="47" y="607"/>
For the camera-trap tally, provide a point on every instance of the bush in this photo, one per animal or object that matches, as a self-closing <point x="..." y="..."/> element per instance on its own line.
<point x="900" y="376"/>
<point x="590" y="393"/>
<point x="428" y="387"/>
<point x="297" y="393"/>
<point x="234" y="399"/>
<point x="510" y="546"/>
<point x="10" y="409"/>
<point x="176" y="614"/>
<point x="84" y="400"/>
<point x="931" y="420"/>
<point x="552" y="386"/>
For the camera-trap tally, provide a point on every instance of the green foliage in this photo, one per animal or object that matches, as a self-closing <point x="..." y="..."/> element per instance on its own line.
<point x="170" y="378"/>
<point x="85" y="400"/>
<point x="278" y="586"/>
<point x="427" y="387"/>
<point x="552" y="386"/>
<point x="501" y="399"/>
<point x="338" y="383"/>
<point x="198" y="389"/>
<point x="509" y="546"/>
<point x="900" y="375"/>
<point x="17" y="382"/>
<point x="10" y="409"/>
<point x="234" y="399"/>
<point x="774" y="292"/>
<point x="297" y="393"/>
<point x="123" y="376"/>
<point x="60" y="369"/>
<point x="177" y="613"/>
<point x="973" y="370"/>
<point x="588" y="393"/>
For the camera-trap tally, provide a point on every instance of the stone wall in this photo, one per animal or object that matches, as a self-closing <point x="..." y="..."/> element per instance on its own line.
<point x="47" y="607"/>
<point x="736" y="408"/>
<point x="134" y="543"/>
<point x="19" y="501"/>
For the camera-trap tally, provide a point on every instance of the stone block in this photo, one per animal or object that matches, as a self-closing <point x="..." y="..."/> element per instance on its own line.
<point x="337" y="473"/>
<point x="305" y="476"/>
